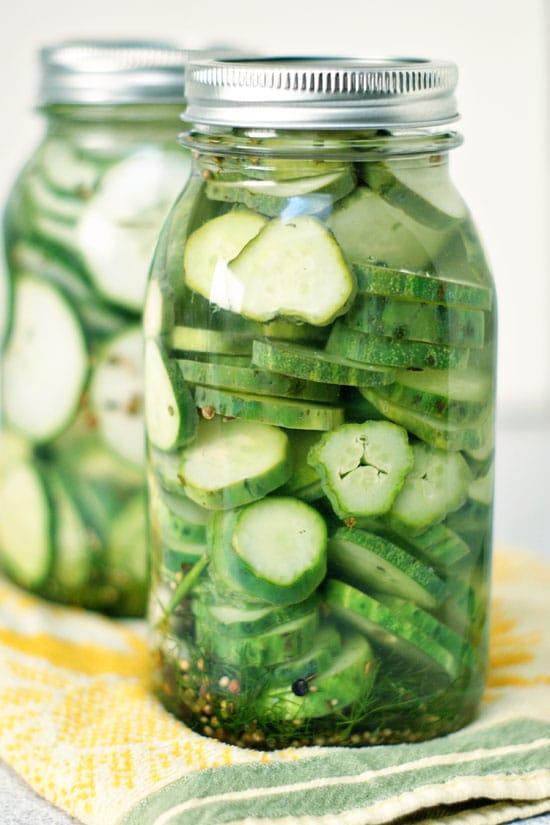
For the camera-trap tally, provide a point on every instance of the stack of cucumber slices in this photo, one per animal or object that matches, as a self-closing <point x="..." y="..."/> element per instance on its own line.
<point x="320" y="419"/>
<point x="81" y="226"/>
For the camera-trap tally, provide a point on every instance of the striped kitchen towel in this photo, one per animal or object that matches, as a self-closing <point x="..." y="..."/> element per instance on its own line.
<point x="78" y="723"/>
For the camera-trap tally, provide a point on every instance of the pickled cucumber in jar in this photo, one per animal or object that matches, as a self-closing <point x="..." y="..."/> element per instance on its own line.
<point x="319" y="403"/>
<point x="81" y="225"/>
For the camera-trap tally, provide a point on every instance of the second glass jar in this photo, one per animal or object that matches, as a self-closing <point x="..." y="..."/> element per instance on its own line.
<point x="320" y="375"/>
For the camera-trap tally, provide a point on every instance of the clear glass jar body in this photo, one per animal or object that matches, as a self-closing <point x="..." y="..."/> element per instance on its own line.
<point x="320" y="378"/>
<point x="80" y="228"/>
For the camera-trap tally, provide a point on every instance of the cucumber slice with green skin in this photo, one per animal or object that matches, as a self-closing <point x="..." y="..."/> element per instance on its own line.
<point x="46" y="362"/>
<point x="280" y="544"/>
<point x="127" y="557"/>
<point x="368" y="229"/>
<point x="421" y="286"/>
<point x="14" y="448"/>
<point x="393" y="634"/>
<point x="305" y="196"/>
<point x="374" y="562"/>
<point x="175" y="531"/>
<point x="438" y="546"/>
<point x="175" y="562"/>
<point x="158" y="311"/>
<point x="362" y="467"/>
<point x="252" y="379"/>
<point x="457" y="396"/>
<point x="166" y="467"/>
<point x="170" y="415"/>
<point x="66" y="171"/>
<point x="436" y="485"/>
<point x="233" y="463"/>
<point x="417" y="321"/>
<point x="58" y="206"/>
<point x="197" y="339"/>
<point x="325" y="648"/>
<point x="456" y="644"/>
<point x="119" y="227"/>
<point x="481" y="488"/>
<point x="424" y="192"/>
<point x="304" y="478"/>
<point x="291" y="268"/>
<point x="348" y="679"/>
<point x="74" y="554"/>
<point x="473" y="516"/>
<point x="443" y="434"/>
<point x="280" y="412"/>
<point x="192" y="518"/>
<point x="6" y="300"/>
<point x="26" y="525"/>
<point x="373" y="349"/>
<point x="281" y="644"/>
<point x="210" y="248"/>
<point x="309" y="364"/>
<point x="225" y="617"/>
<point x="29" y="257"/>
<point x="116" y="395"/>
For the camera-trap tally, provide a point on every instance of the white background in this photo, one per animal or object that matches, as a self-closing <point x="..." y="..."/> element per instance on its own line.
<point x="502" y="169"/>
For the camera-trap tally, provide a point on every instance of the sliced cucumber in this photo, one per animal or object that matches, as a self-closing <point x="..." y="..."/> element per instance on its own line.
<point x="45" y="363"/>
<point x="368" y="229"/>
<point x="421" y="286"/>
<point x="324" y="649"/>
<point x="374" y="349"/>
<point x="417" y="321"/>
<point x="400" y="637"/>
<point x="348" y="679"/>
<point x="362" y="467"/>
<point x="58" y="206"/>
<point x="291" y="268"/>
<point x="281" y="412"/>
<point x="281" y="544"/>
<point x="248" y="378"/>
<point x="234" y="462"/>
<point x="436" y="485"/>
<point x="281" y="644"/>
<point x="116" y="395"/>
<point x="456" y="644"/>
<point x="439" y="546"/>
<point x="166" y="467"/>
<point x="440" y="433"/>
<point x="374" y="562"/>
<point x="481" y="488"/>
<point x="304" y="479"/>
<point x="188" y="518"/>
<point x="119" y="227"/>
<point x="312" y="195"/>
<point x="67" y="171"/>
<point x="74" y="552"/>
<point x="426" y="193"/>
<point x="314" y="365"/>
<point x="248" y="620"/>
<point x="158" y="311"/>
<point x="197" y="339"/>
<point x="127" y="557"/>
<point x="170" y="415"/>
<point x="26" y="525"/>
<point x="457" y="396"/>
<point x="210" y="248"/>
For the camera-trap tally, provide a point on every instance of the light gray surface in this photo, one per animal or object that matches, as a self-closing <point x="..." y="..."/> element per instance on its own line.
<point x="20" y="805"/>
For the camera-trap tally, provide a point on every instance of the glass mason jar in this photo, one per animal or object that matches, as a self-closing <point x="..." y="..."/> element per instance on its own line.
<point x="319" y="403"/>
<point x="81" y="224"/>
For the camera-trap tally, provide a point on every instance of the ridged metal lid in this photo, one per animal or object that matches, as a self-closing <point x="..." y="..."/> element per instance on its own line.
<point x="325" y="92"/>
<point x="112" y="72"/>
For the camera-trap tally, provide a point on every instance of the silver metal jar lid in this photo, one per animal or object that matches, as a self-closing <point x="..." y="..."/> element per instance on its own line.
<point x="112" y="72"/>
<point x="325" y="92"/>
